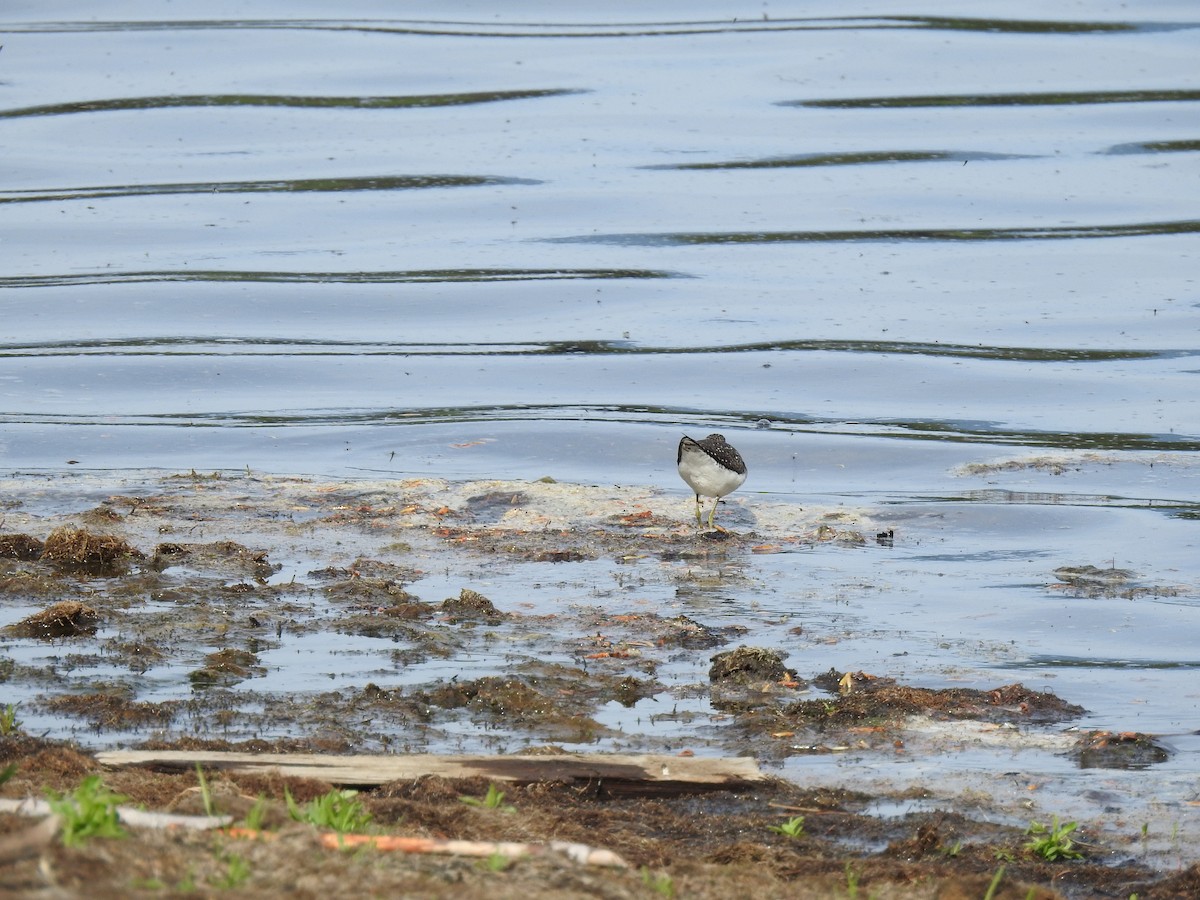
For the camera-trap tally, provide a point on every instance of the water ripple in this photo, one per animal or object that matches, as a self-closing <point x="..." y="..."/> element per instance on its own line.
<point x="1050" y="98"/>
<point x="1181" y="146"/>
<point x="297" y="185"/>
<point x="1083" y="662"/>
<point x="176" y="101"/>
<point x="254" y="346"/>
<point x="938" y="430"/>
<point x="866" y="157"/>
<point x="1028" y="233"/>
<point x="409" y="276"/>
<point x="446" y="28"/>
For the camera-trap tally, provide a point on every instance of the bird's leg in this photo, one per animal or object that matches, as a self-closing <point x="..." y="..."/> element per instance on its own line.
<point x="714" y="512"/>
<point x="698" y="510"/>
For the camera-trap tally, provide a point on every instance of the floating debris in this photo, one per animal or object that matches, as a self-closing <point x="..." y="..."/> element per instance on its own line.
<point x="1092" y="575"/>
<point x="828" y="534"/>
<point x="1093" y="582"/>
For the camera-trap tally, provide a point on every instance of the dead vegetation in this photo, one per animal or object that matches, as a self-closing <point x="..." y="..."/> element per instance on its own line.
<point x="712" y="845"/>
<point x="70" y="618"/>
<point x="20" y="546"/>
<point x="1092" y="583"/>
<point x="225" y="556"/>
<point x="97" y="554"/>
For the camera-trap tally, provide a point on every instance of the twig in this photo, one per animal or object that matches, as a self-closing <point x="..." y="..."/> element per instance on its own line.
<point x="803" y="809"/>
<point x="580" y="853"/>
<point x="139" y="818"/>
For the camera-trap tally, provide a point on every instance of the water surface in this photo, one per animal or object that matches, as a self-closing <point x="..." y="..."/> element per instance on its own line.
<point x="881" y="249"/>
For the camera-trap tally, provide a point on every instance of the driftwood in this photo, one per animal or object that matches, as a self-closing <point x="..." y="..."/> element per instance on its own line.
<point x="128" y="814"/>
<point x="580" y="853"/>
<point x="611" y="774"/>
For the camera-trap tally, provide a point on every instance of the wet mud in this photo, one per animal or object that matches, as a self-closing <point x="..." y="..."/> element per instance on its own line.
<point x="196" y="582"/>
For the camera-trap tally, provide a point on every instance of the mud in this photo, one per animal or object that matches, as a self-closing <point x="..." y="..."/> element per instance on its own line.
<point x="152" y="616"/>
<point x="711" y="845"/>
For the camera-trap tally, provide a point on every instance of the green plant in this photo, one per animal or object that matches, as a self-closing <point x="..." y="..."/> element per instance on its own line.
<point x="497" y="862"/>
<point x="493" y="799"/>
<point x="90" y="811"/>
<point x="851" y="881"/>
<point x="205" y="793"/>
<point x="793" y="827"/>
<point x="1052" y="842"/>
<point x="8" y="772"/>
<point x="9" y="723"/>
<point x="953" y="850"/>
<point x="237" y="870"/>
<point x="257" y="814"/>
<point x="338" y="810"/>
<point x="663" y="885"/>
<point x="991" y="891"/>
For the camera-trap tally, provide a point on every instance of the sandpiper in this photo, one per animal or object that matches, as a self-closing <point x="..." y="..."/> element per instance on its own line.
<point x="712" y="468"/>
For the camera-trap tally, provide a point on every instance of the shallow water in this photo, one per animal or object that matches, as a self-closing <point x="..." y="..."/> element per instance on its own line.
<point x="874" y="249"/>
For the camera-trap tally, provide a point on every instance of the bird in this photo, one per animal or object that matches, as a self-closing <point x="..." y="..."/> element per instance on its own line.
<point x="712" y="468"/>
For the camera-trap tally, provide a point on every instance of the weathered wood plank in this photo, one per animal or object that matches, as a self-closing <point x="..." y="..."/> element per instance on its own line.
<point x="612" y="773"/>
